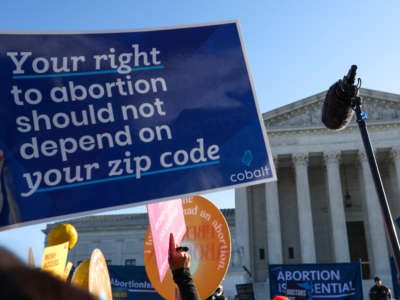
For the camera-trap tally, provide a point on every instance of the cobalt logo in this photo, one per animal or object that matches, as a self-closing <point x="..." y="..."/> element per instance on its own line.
<point x="247" y="159"/>
<point x="250" y="174"/>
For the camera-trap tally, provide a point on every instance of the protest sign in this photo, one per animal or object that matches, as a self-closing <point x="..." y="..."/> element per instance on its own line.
<point x="317" y="281"/>
<point x="55" y="258"/>
<point x="209" y="242"/>
<point x="245" y="291"/>
<point x="165" y="217"/>
<point x="131" y="282"/>
<point x="99" y="279"/>
<point x="91" y="121"/>
<point x="298" y="290"/>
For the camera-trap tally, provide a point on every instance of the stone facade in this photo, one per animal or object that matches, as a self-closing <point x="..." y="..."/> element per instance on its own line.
<point x="322" y="209"/>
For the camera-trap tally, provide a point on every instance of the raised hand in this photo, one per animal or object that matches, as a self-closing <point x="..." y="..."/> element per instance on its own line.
<point x="177" y="258"/>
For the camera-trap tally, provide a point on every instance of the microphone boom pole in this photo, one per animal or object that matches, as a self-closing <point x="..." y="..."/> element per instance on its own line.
<point x="340" y="102"/>
<point x="384" y="205"/>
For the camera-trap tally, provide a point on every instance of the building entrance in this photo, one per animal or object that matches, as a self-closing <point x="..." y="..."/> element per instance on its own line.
<point x="358" y="246"/>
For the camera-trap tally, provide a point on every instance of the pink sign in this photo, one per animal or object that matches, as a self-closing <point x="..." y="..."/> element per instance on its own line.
<point x="165" y="218"/>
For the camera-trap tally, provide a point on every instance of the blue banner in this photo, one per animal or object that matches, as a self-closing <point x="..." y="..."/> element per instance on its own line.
<point x="395" y="276"/>
<point x="320" y="281"/>
<point x="91" y="121"/>
<point x="131" y="282"/>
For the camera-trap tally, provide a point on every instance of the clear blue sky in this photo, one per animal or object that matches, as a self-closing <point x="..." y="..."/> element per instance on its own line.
<point x="295" y="48"/>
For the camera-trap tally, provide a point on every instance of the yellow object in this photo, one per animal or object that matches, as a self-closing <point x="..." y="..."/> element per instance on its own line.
<point x="54" y="259"/>
<point x="92" y="275"/>
<point x="81" y="275"/>
<point x="63" y="233"/>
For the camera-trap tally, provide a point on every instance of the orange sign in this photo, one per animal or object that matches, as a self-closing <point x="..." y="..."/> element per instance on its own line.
<point x="55" y="258"/>
<point x="209" y="243"/>
<point x="99" y="279"/>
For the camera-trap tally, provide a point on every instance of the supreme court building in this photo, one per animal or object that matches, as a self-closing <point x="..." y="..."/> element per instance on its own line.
<point x="322" y="209"/>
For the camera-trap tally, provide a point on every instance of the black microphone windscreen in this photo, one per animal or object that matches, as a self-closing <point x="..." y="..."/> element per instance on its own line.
<point x="336" y="112"/>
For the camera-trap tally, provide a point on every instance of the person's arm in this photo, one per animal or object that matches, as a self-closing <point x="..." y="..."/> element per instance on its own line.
<point x="389" y="293"/>
<point x="179" y="263"/>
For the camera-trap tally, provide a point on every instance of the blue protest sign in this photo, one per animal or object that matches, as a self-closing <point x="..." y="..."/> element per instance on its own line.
<point x="319" y="281"/>
<point x="131" y="282"/>
<point x="91" y="121"/>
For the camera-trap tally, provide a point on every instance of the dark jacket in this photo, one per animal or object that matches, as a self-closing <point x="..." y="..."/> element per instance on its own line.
<point x="187" y="289"/>
<point x="380" y="293"/>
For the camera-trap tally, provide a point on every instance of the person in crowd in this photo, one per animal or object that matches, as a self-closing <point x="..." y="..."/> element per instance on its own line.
<point x="18" y="281"/>
<point x="9" y="260"/>
<point x="35" y="284"/>
<point x="179" y="262"/>
<point x="379" y="291"/>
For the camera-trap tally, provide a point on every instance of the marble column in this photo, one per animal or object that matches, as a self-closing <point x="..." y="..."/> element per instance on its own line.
<point x="307" y="243"/>
<point x="396" y="160"/>
<point x="274" y="238"/>
<point x="378" y="253"/>
<point x="118" y="250"/>
<point x="336" y="208"/>
<point x="242" y="222"/>
<point x="395" y="203"/>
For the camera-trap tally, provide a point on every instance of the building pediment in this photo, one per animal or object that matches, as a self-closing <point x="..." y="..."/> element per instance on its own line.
<point x="381" y="108"/>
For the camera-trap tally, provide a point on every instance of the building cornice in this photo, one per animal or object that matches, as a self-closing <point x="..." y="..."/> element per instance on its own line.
<point x="318" y="130"/>
<point x="295" y="106"/>
<point x="121" y="222"/>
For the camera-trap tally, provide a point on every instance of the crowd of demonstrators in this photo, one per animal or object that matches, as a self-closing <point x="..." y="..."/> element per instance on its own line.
<point x="19" y="281"/>
<point x="22" y="282"/>
<point x="379" y="291"/>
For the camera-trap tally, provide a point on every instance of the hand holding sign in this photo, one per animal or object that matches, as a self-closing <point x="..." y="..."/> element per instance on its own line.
<point x="178" y="257"/>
